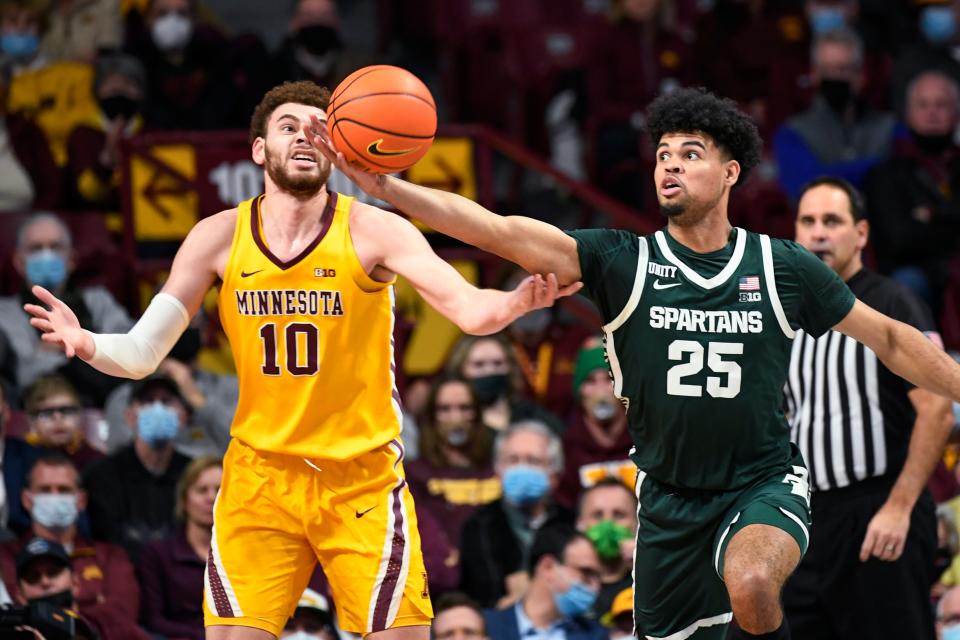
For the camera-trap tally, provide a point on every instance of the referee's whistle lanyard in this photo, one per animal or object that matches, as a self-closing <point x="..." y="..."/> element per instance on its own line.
<point x="537" y="376"/>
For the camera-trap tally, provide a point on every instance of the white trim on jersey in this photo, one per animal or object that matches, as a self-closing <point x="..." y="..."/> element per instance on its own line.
<point x="641" y="476"/>
<point x="625" y="313"/>
<point x="769" y="277"/>
<point x="643" y="256"/>
<point x="683" y="634"/>
<point x="716" y="558"/>
<point x="696" y="278"/>
<point x="803" y="527"/>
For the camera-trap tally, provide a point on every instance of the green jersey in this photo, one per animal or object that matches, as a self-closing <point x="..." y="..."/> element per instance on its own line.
<point x="699" y="346"/>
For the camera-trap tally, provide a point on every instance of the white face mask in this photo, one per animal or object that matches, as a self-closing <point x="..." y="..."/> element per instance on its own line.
<point x="172" y="31"/>
<point x="301" y="635"/>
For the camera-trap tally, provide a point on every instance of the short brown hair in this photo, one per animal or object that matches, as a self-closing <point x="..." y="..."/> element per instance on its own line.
<point x="302" y="92"/>
<point x="190" y="476"/>
<point x="47" y="386"/>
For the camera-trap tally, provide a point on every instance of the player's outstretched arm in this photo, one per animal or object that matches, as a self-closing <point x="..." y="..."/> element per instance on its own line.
<point x="137" y="353"/>
<point x="403" y="249"/>
<point x="904" y="350"/>
<point x="536" y="246"/>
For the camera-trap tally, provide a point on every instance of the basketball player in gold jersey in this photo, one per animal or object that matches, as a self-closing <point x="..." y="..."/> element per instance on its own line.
<point x="313" y="471"/>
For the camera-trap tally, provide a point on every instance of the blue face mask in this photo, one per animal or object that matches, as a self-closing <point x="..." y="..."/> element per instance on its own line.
<point x="938" y="24"/>
<point x="19" y="45"/>
<point x="46" y="268"/>
<point x="575" y="601"/>
<point x="55" y="511"/>
<point x="952" y="632"/>
<point x="524" y="485"/>
<point x="157" y="424"/>
<point x="824" y="19"/>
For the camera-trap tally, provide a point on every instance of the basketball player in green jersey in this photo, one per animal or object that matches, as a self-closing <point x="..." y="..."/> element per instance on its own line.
<point x="699" y="319"/>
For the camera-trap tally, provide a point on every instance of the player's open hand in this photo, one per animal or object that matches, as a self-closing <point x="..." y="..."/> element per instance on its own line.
<point x="536" y="292"/>
<point x="886" y="533"/>
<point x="319" y="136"/>
<point x="59" y="325"/>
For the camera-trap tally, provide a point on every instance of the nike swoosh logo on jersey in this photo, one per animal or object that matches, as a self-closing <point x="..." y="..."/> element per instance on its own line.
<point x="374" y="149"/>
<point x="658" y="285"/>
<point x="247" y="274"/>
<point x="360" y="514"/>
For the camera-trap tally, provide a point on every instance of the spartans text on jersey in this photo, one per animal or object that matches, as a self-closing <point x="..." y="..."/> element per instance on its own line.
<point x="289" y="302"/>
<point x="671" y="318"/>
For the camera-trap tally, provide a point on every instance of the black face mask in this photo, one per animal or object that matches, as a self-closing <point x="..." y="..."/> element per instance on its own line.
<point x="491" y="388"/>
<point x="120" y="106"/>
<point x="932" y="145"/>
<point x="63" y="599"/>
<point x="187" y="347"/>
<point x="318" y="39"/>
<point x="837" y="93"/>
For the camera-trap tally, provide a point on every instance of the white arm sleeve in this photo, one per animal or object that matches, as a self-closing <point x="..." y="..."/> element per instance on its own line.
<point x="137" y="353"/>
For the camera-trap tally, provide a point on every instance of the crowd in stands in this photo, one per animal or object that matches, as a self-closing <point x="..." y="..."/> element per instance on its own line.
<point x="517" y="449"/>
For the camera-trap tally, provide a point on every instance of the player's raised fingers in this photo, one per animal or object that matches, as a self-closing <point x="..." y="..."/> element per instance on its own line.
<point x="45" y="296"/>
<point x="42" y="324"/>
<point x="36" y="311"/>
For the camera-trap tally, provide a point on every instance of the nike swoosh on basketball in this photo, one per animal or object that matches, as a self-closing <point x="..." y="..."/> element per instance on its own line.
<point x="374" y="149"/>
<point x="657" y="284"/>
<point x="360" y="514"/>
<point x="247" y="274"/>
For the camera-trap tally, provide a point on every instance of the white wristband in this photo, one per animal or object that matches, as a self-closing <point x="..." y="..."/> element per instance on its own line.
<point x="137" y="354"/>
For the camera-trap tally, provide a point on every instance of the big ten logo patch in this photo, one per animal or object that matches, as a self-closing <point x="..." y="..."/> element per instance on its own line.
<point x="749" y="296"/>
<point x="623" y="470"/>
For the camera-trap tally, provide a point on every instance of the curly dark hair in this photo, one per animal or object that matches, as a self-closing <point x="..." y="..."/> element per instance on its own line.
<point x="302" y="92"/>
<point x="696" y="110"/>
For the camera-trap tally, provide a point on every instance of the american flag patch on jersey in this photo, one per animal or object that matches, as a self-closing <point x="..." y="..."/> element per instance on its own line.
<point x="750" y="283"/>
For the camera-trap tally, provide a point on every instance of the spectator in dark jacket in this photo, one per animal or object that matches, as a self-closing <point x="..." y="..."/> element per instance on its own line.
<point x="171" y="570"/>
<point x="495" y="546"/>
<point x="104" y="575"/>
<point x="914" y="197"/>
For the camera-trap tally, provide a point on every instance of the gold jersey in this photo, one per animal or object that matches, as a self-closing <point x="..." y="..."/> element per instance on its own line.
<point x="313" y="342"/>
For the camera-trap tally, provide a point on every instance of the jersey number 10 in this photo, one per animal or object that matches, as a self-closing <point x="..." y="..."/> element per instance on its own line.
<point x="679" y="349"/>
<point x="297" y="363"/>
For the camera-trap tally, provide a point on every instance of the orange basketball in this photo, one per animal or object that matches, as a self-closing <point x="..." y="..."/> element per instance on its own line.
<point x="382" y="118"/>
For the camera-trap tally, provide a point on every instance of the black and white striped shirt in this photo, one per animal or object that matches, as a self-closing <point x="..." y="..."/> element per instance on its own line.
<point x="848" y="413"/>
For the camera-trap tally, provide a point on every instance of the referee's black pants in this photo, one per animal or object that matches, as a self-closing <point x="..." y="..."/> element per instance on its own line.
<point x="834" y="596"/>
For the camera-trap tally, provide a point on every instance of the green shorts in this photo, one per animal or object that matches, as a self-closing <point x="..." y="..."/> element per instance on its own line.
<point x="681" y="541"/>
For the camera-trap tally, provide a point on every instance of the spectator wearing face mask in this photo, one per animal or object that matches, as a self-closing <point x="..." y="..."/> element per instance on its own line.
<point x="496" y="540"/>
<point x="210" y="397"/>
<point x="133" y="490"/>
<point x="565" y="577"/>
<point x="948" y="615"/>
<point x="93" y="148"/>
<point x="188" y="67"/>
<point x="44" y="256"/>
<point x="491" y="366"/>
<point x="55" y="423"/>
<point x="22" y="22"/>
<point x="597" y="442"/>
<point x="311" y="620"/>
<point x="839" y="134"/>
<point x="454" y="474"/>
<point x="314" y="48"/>
<point x="105" y="580"/>
<point x="936" y="20"/>
<point x="607" y="515"/>
<point x="619" y="618"/>
<point x="45" y="573"/>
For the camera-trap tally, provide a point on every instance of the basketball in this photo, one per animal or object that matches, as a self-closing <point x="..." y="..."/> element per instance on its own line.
<point x="382" y="119"/>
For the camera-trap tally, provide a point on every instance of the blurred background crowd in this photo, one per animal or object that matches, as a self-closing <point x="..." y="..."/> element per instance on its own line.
<point x="517" y="449"/>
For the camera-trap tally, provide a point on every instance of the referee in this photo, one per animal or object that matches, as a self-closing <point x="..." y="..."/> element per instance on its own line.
<point x="870" y="440"/>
